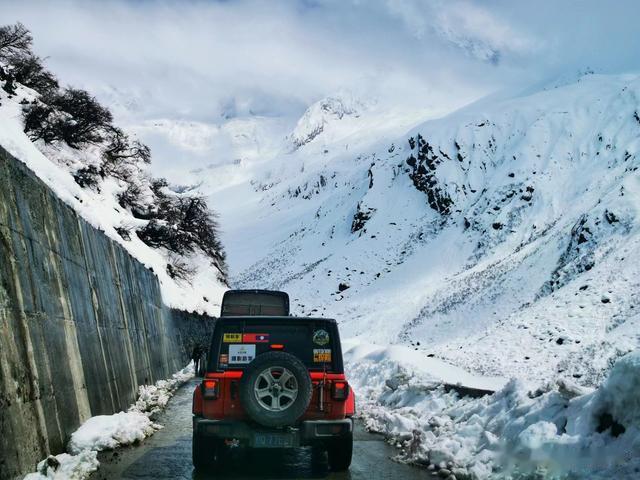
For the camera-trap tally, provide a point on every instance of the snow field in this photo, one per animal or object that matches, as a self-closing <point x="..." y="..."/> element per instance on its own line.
<point x="530" y="275"/>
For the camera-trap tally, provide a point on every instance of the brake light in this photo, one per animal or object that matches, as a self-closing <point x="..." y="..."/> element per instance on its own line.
<point x="210" y="389"/>
<point x="340" y="390"/>
<point x="277" y="346"/>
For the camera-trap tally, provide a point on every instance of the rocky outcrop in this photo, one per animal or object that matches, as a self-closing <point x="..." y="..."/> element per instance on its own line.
<point x="423" y="174"/>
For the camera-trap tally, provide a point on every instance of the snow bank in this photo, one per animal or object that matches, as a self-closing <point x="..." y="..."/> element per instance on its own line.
<point x="559" y="431"/>
<point x="153" y="398"/>
<point x="104" y="432"/>
<point x="66" y="467"/>
<point x="406" y="360"/>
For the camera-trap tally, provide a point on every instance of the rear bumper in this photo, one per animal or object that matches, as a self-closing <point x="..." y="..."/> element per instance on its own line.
<point x="308" y="432"/>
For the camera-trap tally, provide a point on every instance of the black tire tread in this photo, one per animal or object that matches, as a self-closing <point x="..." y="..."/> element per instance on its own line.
<point x="202" y="456"/>
<point x="340" y="453"/>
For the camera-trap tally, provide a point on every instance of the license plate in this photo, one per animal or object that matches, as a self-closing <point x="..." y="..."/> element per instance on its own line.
<point x="273" y="440"/>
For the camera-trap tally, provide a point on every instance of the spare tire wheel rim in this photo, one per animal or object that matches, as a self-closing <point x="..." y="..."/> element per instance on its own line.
<point x="276" y="389"/>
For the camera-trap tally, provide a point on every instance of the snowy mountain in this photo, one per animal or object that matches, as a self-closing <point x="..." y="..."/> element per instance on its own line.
<point x="323" y="115"/>
<point x="497" y="238"/>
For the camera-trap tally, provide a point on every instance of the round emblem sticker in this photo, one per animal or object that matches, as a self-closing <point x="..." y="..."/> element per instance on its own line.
<point x="321" y="337"/>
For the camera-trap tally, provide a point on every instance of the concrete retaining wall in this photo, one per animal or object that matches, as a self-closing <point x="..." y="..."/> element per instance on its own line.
<point x="82" y="323"/>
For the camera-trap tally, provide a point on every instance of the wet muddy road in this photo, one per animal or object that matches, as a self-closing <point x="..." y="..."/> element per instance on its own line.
<point x="167" y="455"/>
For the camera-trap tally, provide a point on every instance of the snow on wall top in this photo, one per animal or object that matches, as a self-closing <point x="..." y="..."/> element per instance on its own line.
<point x="101" y="209"/>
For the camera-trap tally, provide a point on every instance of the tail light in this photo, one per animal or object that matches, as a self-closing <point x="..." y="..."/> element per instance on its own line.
<point x="210" y="389"/>
<point x="339" y="390"/>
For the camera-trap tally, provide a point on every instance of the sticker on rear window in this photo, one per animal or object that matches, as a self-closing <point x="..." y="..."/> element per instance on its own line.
<point x="321" y="355"/>
<point x="321" y="337"/>
<point x="232" y="338"/>
<point x="255" y="338"/>
<point x="241" y="354"/>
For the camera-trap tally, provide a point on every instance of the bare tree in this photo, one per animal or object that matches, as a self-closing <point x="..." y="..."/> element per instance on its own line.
<point x="178" y="268"/>
<point x="15" y="40"/>
<point x="122" y="152"/>
<point x="88" y="119"/>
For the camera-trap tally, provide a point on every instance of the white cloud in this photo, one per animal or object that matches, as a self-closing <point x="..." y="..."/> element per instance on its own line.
<point x="195" y="59"/>
<point x="480" y="32"/>
<point x="201" y="60"/>
<point x="471" y="27"/>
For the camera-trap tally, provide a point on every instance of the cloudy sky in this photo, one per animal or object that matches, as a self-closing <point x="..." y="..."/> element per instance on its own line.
<point x="203" y="59"/>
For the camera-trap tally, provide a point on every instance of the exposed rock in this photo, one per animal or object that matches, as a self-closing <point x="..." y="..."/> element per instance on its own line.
<point x="423" y="175"/>
<point x="361" y="217"/>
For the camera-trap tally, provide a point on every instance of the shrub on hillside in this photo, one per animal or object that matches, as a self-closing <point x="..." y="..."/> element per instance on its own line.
<point x="122" y="153"/>
<point x="131" y="199"/>
<point x="178" y="269"/>
<point x="29" y="71"/>
<point x="183" y="225"/>
<point x="86" y="119"/>
<point x="40" y="122"/>
<point x="72" y="116"/>
<point x="88" y="177"/>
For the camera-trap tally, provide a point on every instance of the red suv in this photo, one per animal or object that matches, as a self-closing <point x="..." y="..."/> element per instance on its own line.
<point x="272" y="381"/>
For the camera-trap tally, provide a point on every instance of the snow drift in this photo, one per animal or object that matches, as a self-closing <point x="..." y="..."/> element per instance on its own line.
<point x="562" y="431"/>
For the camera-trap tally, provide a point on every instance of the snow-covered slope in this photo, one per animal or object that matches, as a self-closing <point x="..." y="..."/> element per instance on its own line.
<point x="501" y="237"/>
<point x="55" y="163"/>
<point x="221" y="150"/>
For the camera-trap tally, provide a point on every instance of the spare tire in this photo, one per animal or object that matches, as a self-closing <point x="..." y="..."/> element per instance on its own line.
<point x="275" y="389"/>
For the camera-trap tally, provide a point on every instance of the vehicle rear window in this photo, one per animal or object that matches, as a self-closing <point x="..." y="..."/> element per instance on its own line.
<point x="312" y="343"/>
<point x="241" y="304"/>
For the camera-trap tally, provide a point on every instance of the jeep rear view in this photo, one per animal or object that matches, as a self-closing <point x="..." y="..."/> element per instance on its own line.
<point x="272" y="381"/>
